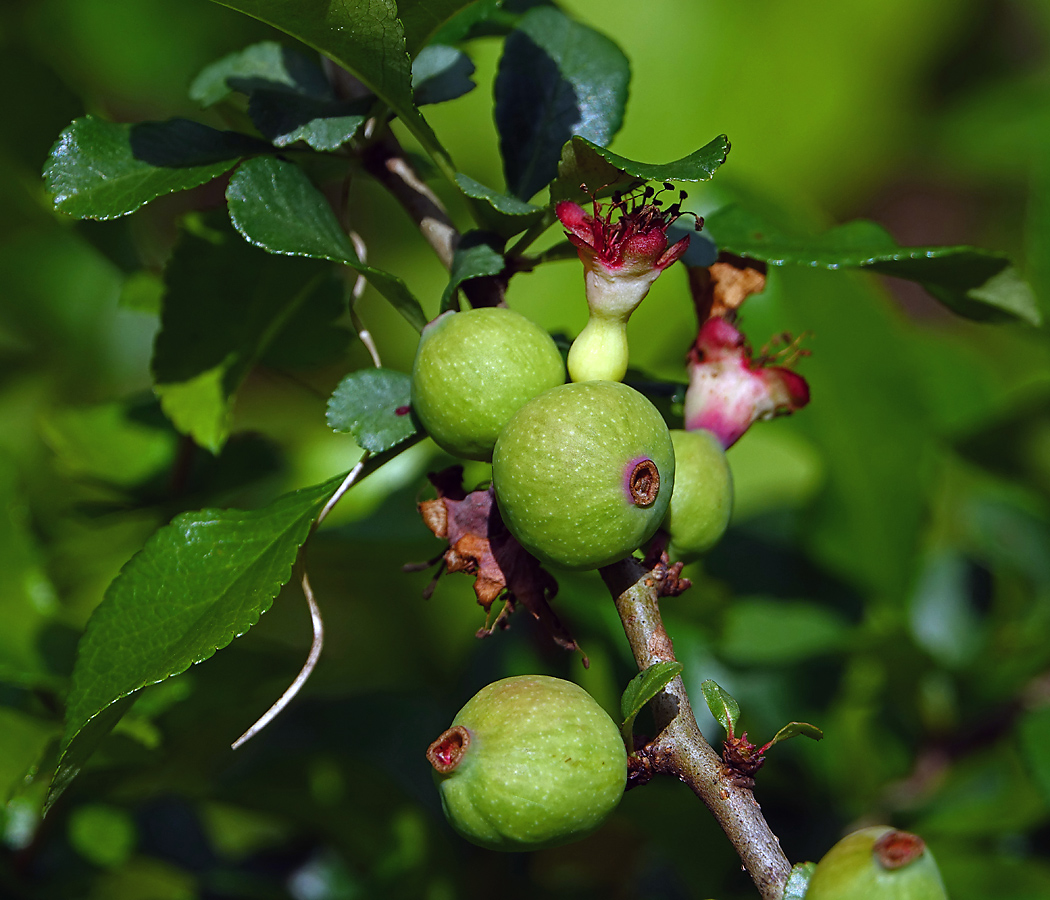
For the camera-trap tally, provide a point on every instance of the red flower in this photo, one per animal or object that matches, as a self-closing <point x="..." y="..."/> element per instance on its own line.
<point x="728" y="391"/>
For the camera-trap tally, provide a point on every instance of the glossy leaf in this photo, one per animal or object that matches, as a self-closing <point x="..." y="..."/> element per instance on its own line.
<point x="275" y="206"/>
<point x="441" y="73"/>
<point x="102" y="170"/>
<point x="198" y="583"/>
<point x="423" y="18"/>
<point x="477" y="255"/>
<point x="374" y="406"/>
<point x="585" y="163"/>
<point x="646" y="685"/>
<point x="266" y="65"/>
<point x="502" y="213"/>
<point x="977" y="284"/>
<point x="225" y="304"/>
<point x="723" y="707"/>
<point x="367" y="38"/>
<point x="284" y="118"/>
<point x="794" y="729"/>
<point x="557" y="78"/>
<point x="481" y="18"/>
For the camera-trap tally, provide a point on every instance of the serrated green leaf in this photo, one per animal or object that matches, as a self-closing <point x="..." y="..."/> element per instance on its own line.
<point x="441" y="73"/>
<point x="557" y="78"/>
<point x="102" y="170"/>
<point x="264" y="65"/>
<point x="374" y="406"/>
<point x="501" y="213"/>
<point x="284" y="118"/>
<point x="723" y="707"/>
<point x="225" y="303"/>
<point x="646" y="685"/>
<point x="585" y="163"/>
<point x="977" y="284"/>
<point x="798" y="880"/>
<point x="275" y="206"/>
<point x="477" y="255"/>
<point x="367" y="38"/>
<point x="198" y="583"/>
<point x="794" y="729"/>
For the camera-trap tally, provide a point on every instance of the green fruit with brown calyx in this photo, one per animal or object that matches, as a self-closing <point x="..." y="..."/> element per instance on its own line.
<point x="473" y="370"/>
<point x="529" y="762"/>
<point x="702" y="502"/>
<point x="583" y="473"/>
<point x="877" y="863"/>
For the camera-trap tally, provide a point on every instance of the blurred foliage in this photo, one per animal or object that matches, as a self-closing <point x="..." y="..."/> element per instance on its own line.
<point x="886" y="576"/>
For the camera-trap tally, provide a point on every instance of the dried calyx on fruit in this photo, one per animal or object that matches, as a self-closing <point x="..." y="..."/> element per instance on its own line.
<point x="529" y="762"/>
<point x="583" y="473"/>
<point x="623" y="248"/>
<point x="877" y="863"/>
<point x="473" y="370"/>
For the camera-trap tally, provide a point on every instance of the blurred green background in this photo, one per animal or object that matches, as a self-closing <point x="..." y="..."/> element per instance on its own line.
<point x="886" y="575"/>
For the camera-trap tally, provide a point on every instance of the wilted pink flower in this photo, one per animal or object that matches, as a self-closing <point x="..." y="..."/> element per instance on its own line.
<point x="728" y="390"/>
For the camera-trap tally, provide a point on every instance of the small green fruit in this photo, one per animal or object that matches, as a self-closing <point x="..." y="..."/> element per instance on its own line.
<point x="473" y="370"/>
<point x="702" y="502"/>
<point x="877" y="864"/>
<point x="529" y="762"/>
<point x="583" y="473"/>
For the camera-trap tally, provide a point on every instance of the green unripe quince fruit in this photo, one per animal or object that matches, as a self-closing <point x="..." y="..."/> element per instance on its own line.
<point x="529" y="762"/>
<point x="877" y="863"/>
<point x="473" y="370"/>
<point x="583" y="473"/>
<point x="702" y="502"/>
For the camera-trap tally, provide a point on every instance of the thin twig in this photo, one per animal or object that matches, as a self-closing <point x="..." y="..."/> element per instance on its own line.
<point x="680" y="749"/>
<point x="359" y="288"/>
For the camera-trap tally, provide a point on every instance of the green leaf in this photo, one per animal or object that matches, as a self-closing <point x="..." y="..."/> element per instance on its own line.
<point x="557" y="78"/>
<point x="367" y="38"/>
<point x="723" y="707"/>
<point x="477" y="255"/>
<point x="373" y="405"/>
<point x="423" y="18"/>
<point x="101" y="170"/>
<point x="501" y="213"/>
<point x="23" y="740"/>
<point x="198" y="583"/>
<point x="798" y="881"/>
<point x="284" y="118"/>
<point x="441" y="73"/>
<point x="977" y="284"/>
<point x="275" y="206"/>
<point x="794" y="729"/>
<point x="1034" y="733"/>
<point x="225" y="304"/>
<point x="263" y="65"/>
<point x="482" y="18"/>
<point x="585" y="163"/>
<point x="646" y="685"/>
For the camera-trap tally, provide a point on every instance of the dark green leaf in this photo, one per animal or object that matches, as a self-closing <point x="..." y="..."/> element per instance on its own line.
<point x="225" y="304"/>
<point x="422" y="18"/>
<point x="198" y="583"/>
<point x="441" y="73"/>
<point x="275" y="206"/>
<point x="101" y="170"/>
<point x="477" y="254"/>
<point x="977" y="284"/>
<point x="366" y="37"/>
<point x="264" y="65"/>
<point x="723" y="707"/>
<point x="557" y="78"/>
<point x="502" y="213"/>
<point x="773" y="631"/>
<point x="794" y="729"/>
<point x="646" y="685"/>
<point x="284" y="118"/>
<point x="583" y="162"/>
<point x="479" y="19"/>
<point x="798" y="881"/>
<point x="373" y="405"/>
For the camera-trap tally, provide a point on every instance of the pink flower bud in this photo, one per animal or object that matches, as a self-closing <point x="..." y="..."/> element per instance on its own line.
<point x="728" y="390"/>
